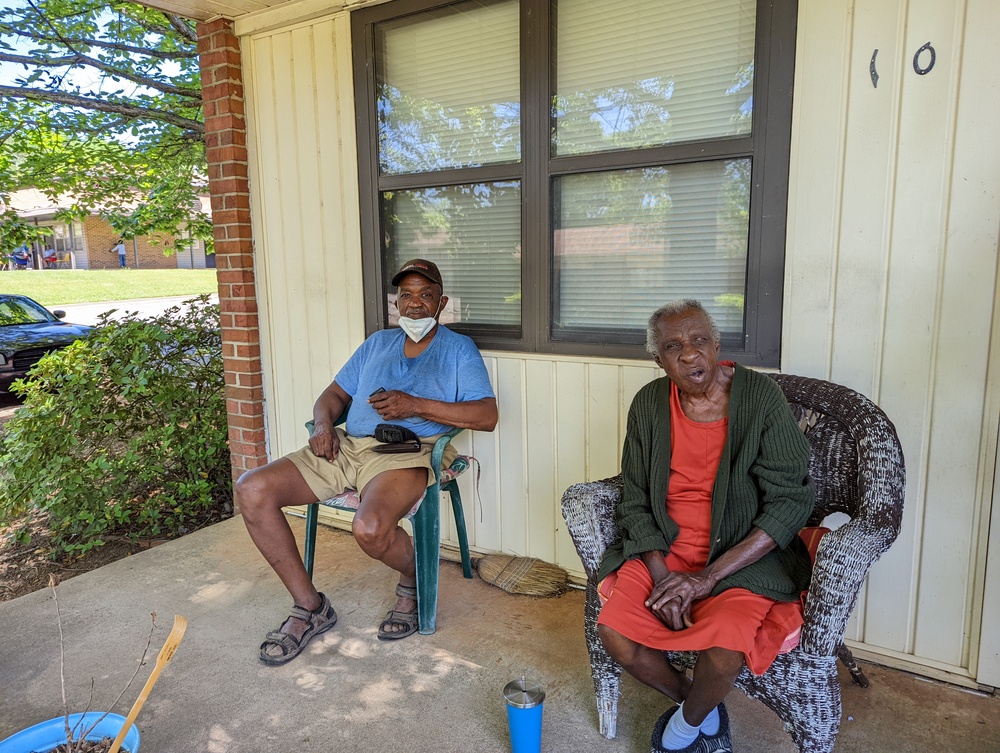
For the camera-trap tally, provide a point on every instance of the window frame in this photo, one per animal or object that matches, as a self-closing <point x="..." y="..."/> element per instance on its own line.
<point x="768" y="145"/>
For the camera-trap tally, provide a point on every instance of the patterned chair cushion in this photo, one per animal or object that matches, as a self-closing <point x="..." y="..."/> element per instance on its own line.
<point x="349" y="499"/>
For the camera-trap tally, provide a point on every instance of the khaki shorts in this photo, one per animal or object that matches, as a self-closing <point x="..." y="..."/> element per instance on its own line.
<point x="356" y="464"/>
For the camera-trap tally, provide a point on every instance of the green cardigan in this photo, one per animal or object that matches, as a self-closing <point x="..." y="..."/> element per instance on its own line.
<point x="762" y="482"/>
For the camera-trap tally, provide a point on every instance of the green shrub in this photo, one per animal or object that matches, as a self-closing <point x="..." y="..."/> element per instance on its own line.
<point x="123" y="433"/>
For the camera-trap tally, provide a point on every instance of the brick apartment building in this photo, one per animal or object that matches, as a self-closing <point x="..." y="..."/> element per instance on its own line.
<point x="88" y="243"/>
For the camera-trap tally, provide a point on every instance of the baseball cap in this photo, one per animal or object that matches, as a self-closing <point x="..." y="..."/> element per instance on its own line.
<point x="421" y="267"/>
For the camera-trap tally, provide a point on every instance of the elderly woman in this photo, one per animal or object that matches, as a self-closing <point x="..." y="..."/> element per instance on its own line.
<point x="709" y="560"/>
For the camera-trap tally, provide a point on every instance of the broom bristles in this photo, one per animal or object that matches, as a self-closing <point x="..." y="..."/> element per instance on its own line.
<point x="523" y="575"/>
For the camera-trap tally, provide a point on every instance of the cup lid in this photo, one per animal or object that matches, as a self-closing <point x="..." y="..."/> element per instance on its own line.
<point x="523" y="694"/>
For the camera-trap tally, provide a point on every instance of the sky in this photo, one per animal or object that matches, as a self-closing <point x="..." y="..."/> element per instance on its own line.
<point x="9" y="72"/>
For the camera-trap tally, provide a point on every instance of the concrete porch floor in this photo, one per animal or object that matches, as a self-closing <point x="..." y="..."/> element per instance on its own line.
<point x="350" y="692"/>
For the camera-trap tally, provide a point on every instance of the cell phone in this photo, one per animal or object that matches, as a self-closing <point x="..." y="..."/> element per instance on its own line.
<point x="380" y="389"/>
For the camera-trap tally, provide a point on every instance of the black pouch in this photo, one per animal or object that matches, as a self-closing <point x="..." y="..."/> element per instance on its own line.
<point x="395" y="439"/>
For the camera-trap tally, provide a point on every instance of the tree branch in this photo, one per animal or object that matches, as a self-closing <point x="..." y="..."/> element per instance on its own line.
<point x="80" y="59"/>
<point x="111" y="70"/>
<point x="88" y="103"/>
<point x="39" y="61"/>
<point x="182" y="28"/>
<point x="163" y="31"/>
<point x="78" y="42"/>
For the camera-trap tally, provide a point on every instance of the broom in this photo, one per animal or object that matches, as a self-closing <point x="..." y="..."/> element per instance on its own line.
<point x="523" y="575"/>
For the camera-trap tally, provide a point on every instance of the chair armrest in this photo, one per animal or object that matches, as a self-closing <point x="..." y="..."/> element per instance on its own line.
<point x="843" y="560"/>
<point x="589" y="511"/>
<point x="846" y="554"/>
<point x="437" y="454"/>
<point x="342" y="418"/>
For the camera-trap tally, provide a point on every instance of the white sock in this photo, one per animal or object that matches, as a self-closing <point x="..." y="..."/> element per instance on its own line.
<point x="678" y="734"/>
<point x="710" y="726"/>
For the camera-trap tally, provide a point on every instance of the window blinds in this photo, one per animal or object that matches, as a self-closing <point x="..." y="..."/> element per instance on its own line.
<point x="449" y="89"/>
<point x="628" y="241"/>
<point x="473" y="234"/>
<point x="651" y="72"/>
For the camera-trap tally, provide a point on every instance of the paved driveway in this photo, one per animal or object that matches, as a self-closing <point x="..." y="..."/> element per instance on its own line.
<point x="88" y="313"/>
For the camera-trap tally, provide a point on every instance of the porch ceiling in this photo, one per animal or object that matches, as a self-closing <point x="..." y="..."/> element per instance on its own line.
<point x="204" y="10"/>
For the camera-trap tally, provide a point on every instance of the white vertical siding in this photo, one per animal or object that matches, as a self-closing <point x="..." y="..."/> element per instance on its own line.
<point x="561" y="421"/>
<point x="892" y="240"/>
<point x="889" y="288"/>
<point x="306" y="227"/>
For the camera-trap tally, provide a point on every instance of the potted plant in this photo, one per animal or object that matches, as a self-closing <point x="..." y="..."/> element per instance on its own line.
<point x="94" y="731"/>
<point x="84" y="729"/>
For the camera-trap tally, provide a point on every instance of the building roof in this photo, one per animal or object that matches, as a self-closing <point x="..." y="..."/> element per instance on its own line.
<point x="30" y="203"/>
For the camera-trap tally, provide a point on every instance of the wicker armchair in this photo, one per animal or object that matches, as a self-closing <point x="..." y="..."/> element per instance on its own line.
<point x="857" y="467"/>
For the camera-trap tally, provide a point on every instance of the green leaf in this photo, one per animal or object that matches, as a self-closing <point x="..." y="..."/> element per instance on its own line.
<point x="122" y="462"/>
<point x="87" y="147"/>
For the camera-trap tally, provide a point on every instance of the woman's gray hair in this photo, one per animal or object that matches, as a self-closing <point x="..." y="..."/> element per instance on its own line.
<point x="671" y="309"/>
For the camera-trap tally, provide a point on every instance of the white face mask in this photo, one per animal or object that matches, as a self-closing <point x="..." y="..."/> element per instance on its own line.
<point x="417" y="329"/>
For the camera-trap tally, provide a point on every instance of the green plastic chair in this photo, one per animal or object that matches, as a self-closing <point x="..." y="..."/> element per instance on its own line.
<point x="425" y="517"/>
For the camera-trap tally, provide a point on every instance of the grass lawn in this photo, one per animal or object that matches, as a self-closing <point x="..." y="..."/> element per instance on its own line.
<point x="53" y="287"/>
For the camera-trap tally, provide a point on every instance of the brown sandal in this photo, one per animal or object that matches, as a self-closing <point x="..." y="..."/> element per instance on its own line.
<point x="407" y="620"/>
<point x="320" y="620"/>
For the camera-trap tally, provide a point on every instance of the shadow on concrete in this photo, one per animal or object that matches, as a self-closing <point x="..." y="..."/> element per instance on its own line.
<point x="351" y="692"/>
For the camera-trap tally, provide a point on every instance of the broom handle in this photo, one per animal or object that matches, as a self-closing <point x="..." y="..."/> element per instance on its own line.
<point x="166" y="654"/>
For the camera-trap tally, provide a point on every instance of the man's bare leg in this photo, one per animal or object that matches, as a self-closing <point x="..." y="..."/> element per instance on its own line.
<point x="384" y="502"/>
<point x="261" y="494"/>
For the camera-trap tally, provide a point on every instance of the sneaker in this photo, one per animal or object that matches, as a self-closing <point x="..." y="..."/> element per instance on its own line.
<point x="721" y="742"/>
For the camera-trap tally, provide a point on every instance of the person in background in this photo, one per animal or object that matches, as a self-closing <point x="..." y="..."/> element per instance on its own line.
<point x="716" y="490"/>
<point x="119" y="248"/>
<point x="21" y="257"/>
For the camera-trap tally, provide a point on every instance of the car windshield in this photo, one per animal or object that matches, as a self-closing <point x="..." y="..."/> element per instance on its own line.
<point x="21" y="311"/>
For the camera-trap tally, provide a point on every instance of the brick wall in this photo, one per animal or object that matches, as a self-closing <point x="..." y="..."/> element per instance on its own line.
<point x="101" y="237"/>
<point x="229" y="186"/>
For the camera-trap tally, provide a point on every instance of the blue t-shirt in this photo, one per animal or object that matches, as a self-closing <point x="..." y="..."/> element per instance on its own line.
<point x="450" y="370"/>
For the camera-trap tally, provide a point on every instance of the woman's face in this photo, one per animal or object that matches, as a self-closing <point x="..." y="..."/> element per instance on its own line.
<point x="687" y="351"/>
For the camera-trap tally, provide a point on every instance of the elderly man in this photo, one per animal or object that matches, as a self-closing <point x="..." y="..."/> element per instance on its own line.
<point x="423" y="377"/>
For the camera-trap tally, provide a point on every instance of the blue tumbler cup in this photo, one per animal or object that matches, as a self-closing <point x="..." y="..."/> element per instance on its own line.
<point x="524" y="715"/>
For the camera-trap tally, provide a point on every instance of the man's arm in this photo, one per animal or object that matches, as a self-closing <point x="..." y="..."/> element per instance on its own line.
<point x="480" y="415"/>
<point x="324" y="441"/>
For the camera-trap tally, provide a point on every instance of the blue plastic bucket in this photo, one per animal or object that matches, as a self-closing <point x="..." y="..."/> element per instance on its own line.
<point x="47" y="735"/>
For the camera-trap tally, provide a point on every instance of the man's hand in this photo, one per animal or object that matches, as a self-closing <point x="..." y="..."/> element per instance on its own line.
<point x="673" y="595"/>
<point x="324" y="442"/>
<point x="393" y="405"/>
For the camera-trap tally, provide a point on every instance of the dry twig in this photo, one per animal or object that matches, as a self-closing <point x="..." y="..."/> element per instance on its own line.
<point x="81" y="745"/>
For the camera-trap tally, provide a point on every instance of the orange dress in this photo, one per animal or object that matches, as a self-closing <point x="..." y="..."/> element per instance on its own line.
<point x="736" y="619"/>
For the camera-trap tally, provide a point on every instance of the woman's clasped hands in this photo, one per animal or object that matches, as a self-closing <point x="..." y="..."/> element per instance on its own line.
<point x="674" y="594"/>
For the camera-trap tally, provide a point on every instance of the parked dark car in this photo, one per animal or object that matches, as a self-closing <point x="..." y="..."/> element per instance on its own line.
<point x="28" y="331"/>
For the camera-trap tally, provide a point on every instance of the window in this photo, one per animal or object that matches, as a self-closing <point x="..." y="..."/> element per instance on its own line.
<point x="571" y="165"/>
<point x="66" y="239"/>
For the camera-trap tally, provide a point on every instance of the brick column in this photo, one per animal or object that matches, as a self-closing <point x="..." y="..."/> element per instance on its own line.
<point x="226" y="149"/>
